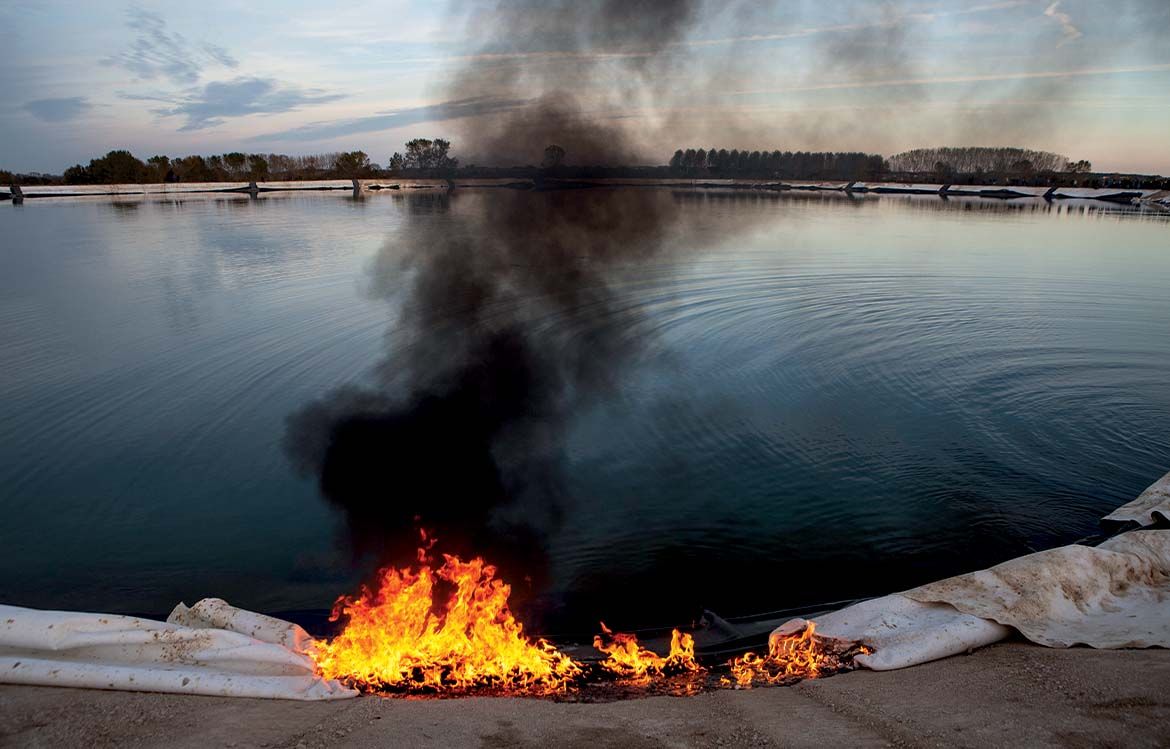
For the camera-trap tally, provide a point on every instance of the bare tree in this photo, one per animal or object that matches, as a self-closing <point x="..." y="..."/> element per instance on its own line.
<point x="970" y="160"/>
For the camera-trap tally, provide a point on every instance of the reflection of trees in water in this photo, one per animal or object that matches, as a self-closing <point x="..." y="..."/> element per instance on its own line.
<point x="931" y="203"/>
<point x="427" y="202"/>
<point x="1013" y="205"/>
<point x="123" y="208"/>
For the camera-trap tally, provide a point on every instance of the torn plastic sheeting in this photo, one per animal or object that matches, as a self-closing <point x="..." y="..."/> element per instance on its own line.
<point x="1152" y="507"/>
<point x="106" y="651"/>
<point x="1116" y="595"/>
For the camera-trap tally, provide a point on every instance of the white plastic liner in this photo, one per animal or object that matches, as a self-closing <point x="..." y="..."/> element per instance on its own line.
<point x="1116" y="595"/>
<point x="216" y="613"/>
<point x="1152" y="506"/>
<point x="106" y="651"/>
<point x="902" y="632"/>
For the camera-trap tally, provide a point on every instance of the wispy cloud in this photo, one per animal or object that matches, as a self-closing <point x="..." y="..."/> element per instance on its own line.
<point x="220" y="55"/>
<point x="210" y="105"/>
<point x="58" y="110"/>
<point x="157" y="52"/>
<point x="977" y="78"/>
<point x="888" y="20"/>
<point x="1071" y="32"/>
<point x="448" y="110"/>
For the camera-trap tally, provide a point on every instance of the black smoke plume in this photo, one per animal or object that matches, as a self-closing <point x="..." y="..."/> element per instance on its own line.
<point x="510" y="321"/>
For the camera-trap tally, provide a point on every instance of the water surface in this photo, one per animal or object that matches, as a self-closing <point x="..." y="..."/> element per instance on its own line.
<point x="833" y="397"/>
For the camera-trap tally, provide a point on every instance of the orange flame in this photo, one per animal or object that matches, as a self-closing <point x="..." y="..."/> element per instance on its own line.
<point x="629" y="660"/>
<point x="450" y="630"/>
<point x="394" y="637"/>
<point x="798" y="656"/>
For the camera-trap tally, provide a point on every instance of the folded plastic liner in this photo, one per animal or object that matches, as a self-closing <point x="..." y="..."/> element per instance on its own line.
<point x="210" y="649"/>
<point x="902" y="632"/>
<point x="1114" y="595"/>
<point x="1152" y="507"/>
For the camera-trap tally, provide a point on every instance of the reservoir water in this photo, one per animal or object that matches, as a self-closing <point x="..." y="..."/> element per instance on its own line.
<point x="832" y="397"/>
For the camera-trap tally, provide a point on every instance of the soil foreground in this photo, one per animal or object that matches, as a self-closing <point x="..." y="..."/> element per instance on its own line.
<point x="1008" y="695"/>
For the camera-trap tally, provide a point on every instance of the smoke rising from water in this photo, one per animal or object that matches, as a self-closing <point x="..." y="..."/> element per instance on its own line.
<point x="576" y="63"/>
<point x="510" y="321"/>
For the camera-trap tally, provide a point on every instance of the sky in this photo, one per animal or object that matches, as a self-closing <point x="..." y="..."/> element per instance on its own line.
<point x="1086" y="78"/>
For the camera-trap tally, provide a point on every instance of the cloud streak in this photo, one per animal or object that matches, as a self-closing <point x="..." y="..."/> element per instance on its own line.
<point x="448" y="110"/>
<point x="1071" y="32"/>
<point x="940" y="80"/>
<point x="63" y="109"/>
<point x="889" y="20"/>
<point x="157" y="52"/>
<point x="211" y="105"/>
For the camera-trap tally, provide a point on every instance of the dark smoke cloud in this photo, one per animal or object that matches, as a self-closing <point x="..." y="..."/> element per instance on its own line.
<point x="878" y="39"/>
<point x="510" y="322"/>
<point x="509" y="325"/>
<point x="576" y="61"/>
<point x="902" y="96"/>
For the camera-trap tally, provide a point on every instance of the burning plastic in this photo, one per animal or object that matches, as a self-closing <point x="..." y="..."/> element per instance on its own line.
<point x="800" y="655"/>
<point x="629" y="660"/>
<point x="400" y="638"/>
<point x="449" y="631"/>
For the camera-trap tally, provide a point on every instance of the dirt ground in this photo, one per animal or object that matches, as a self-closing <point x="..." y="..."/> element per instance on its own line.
<point x="1007" y="695"/>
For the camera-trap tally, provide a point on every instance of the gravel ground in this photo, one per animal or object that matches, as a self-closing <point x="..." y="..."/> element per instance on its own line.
<point x="1007" y="695"/>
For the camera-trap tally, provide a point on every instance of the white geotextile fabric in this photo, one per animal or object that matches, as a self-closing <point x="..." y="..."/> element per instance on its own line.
<point x="1151" y="506"/>
<point x="1116" y="595"/>
<point x="106" y="651"/>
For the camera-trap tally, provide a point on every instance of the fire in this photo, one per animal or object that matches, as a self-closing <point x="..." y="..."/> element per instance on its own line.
<point x="627" y="659"/>
<point x="397" y="638"/>
<point x="790" y="657"/>
<point x="449" y="630"/>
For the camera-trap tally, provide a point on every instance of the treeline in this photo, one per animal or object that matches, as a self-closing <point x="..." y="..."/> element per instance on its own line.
<point x="778" y="164"/>
<point x="938" y="162"/>
<point x="122" y="167"/>
<point x="983" y="160"/>
<point x="431" y="158"/>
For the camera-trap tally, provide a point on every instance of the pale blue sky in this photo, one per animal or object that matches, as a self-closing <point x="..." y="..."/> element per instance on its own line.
<point x="1088" y="78"/>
